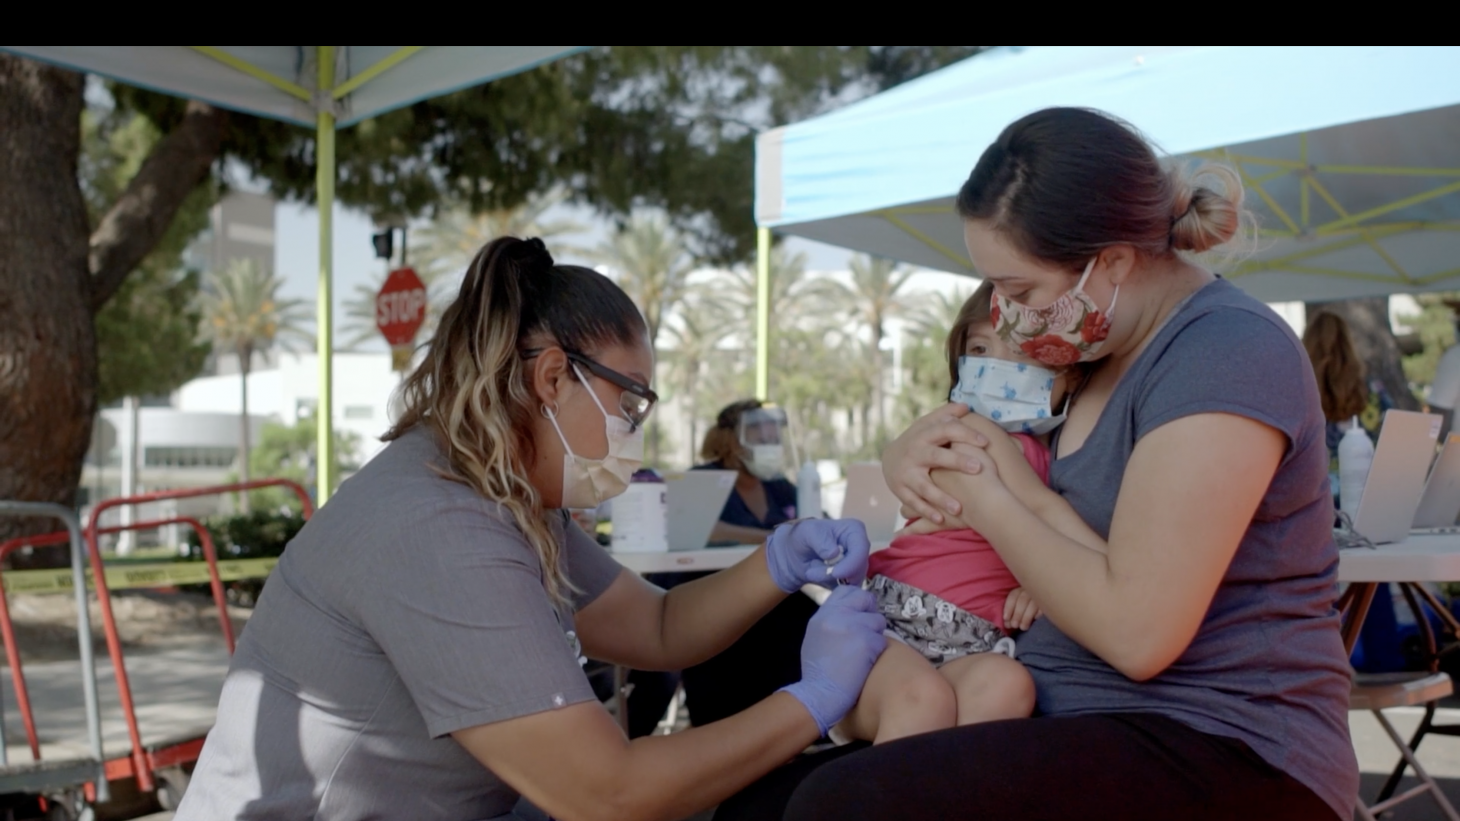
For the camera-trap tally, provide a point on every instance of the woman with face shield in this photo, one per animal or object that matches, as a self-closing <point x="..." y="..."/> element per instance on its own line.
<point x="418" y="651"/>
<point x="748" y="438"/>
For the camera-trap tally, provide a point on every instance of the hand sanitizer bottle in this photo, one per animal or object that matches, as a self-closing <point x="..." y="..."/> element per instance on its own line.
<point x="808" y="492"/>
<point x="1355" y="455"/>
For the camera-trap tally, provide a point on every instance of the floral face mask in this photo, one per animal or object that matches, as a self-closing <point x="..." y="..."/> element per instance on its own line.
<point x="1069" y="330"/>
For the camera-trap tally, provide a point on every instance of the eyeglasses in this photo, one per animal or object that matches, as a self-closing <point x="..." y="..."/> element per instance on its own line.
<point x="637" y="400"/>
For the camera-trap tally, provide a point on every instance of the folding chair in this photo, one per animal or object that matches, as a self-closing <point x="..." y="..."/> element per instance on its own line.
<point x="1380" y="691"/>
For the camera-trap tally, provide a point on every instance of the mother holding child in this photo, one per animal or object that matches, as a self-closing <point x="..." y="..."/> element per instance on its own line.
<point x="417" y="652"/>
<point x="1188" y="662"/>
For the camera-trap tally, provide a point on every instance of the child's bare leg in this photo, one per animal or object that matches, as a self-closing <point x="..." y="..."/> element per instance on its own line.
<point x="903" y="696"/>
<point x="989" y="687"/>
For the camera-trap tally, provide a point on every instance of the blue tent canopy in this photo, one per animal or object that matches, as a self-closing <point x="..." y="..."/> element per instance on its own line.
<point x="1350" y="155"/>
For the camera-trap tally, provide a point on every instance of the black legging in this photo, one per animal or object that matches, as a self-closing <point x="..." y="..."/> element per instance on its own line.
<point x="1121" y="766"/>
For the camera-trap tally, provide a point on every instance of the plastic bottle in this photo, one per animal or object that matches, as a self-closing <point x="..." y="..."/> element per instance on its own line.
<point x="1355" y="455"/>
<point x="808" y="491"/>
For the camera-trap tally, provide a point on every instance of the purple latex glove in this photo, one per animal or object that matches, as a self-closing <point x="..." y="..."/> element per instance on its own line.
<point x="843" y="641"/>
<point x="827" y="552"/>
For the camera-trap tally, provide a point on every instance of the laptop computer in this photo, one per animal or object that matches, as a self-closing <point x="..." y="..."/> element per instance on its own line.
<point x="695" y="500"/>
<point x="1440" y="506"/>
<point x="1397" y="475"/>
<point x="869" y="499"/>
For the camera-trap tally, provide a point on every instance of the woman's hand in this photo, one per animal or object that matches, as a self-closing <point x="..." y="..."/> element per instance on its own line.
<point x="908" y="462"/>
<point x="1020" y="611"/>
<point x="824" y="552"/>
<point x="843" y="641"/>
<point x="923" y="527"/>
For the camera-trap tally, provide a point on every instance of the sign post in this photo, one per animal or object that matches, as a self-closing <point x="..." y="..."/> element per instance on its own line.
<point x="400" y="308"/>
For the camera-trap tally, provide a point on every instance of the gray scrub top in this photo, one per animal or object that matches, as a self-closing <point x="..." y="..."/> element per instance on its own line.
<point x="407" y="608"/>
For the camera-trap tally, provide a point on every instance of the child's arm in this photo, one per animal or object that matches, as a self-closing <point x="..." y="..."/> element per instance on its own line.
<point x="1027" y="487"/>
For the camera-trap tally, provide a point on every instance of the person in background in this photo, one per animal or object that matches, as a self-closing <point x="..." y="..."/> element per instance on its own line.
<point x="1341" y="387"/>
<point x="1445" y="389"/>
<point x="748" y="439"/>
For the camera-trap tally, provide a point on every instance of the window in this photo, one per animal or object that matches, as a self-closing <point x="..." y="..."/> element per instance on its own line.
<point x="359" y="412"/>
<point x="167" y="457"/>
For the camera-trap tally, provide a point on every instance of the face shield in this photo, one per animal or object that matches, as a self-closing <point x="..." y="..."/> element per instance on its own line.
<point x="761" y="432"/>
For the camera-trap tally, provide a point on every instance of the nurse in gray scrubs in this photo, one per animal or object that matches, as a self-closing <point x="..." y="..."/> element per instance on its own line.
<point x="418" y="651"/>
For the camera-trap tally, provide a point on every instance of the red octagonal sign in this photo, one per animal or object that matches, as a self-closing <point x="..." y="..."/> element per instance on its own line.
<point x="400" y="307"/>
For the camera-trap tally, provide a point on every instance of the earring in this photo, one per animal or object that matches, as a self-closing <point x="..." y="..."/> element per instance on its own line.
<point x="550" y="414"/>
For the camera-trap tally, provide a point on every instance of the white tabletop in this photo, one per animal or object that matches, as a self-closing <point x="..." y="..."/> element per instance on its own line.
<point x="1416" y="559"/>
<point x="688" y="561"/>
<point x="684" y="561"/>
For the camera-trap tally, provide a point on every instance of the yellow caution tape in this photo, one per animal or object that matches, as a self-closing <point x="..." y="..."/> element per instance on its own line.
<point x="124" y="577"/>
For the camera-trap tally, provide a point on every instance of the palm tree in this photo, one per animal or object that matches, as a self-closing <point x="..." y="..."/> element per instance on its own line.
<point x="924" y="363"/>
<point x="789" y="289"/>
<point x="441" y="251"/>
<point x="875" y="295"/>
<point x="648" y="260"/>
<point x="243" y="314"/>
<point x="698" y="328"/>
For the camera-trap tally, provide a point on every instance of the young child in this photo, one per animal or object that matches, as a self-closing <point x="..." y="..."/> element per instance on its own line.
<point x="951" y="603"/>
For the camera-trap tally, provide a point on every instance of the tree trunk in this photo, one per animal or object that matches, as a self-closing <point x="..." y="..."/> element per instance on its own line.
<point x="1373" y="338"/>
<point x="47" y="341"/>
<point x="245" y="359"/>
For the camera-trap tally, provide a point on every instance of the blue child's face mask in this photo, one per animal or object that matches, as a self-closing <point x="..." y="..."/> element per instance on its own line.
<point x="1015" y="395"/>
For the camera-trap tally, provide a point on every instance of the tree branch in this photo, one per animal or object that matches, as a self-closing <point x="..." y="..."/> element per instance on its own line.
<point x="140" y="216"/>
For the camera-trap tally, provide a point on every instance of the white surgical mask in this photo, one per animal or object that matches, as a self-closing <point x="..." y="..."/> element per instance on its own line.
<point x="765" y="462"/>
<point x="587" y="483"/>
<point x="1015" y="395"/>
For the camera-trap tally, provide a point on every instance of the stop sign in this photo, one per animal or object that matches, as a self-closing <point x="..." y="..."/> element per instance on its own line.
<point x="400" y="307"/>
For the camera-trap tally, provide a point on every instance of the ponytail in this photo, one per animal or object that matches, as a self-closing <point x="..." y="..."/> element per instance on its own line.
<point x="473" y="390"/>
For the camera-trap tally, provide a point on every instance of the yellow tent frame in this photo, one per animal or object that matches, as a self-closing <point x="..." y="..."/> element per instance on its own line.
<point x="324" y="103"/>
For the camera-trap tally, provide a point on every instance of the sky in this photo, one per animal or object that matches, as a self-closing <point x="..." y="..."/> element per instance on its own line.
<point x="296" y="255"/>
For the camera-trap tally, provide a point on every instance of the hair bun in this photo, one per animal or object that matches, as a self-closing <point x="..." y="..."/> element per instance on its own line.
<point x="531" y="256"/>
<point x="1203" y="217"/>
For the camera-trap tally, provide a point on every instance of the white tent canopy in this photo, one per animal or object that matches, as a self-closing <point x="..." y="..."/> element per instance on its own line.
<point x="1351" y="155"/>
<point x="281" y="82"/>
<point x="324" y="87"/>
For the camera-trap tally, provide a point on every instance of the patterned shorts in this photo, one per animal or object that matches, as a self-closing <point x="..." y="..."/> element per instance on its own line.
<point x="939" y="630"/>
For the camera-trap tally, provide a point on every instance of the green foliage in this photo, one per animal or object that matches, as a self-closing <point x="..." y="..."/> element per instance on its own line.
<point x="257" y="535"/>
<point x="243" y="312"/>
<point x="646" y="257"/>
<point x="287" y="452"/>
<point x="622" y="127"/>
<point x="147" y="333"/>
<point x="1435" y="324"/>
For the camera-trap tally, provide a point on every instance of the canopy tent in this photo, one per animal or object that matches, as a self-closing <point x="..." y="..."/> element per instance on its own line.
<point x="326" y="87"/>
<point x="1351" y="155"/>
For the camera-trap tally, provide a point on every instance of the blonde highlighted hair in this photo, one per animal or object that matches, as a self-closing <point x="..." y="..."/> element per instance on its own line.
<point x="474" y="392"/>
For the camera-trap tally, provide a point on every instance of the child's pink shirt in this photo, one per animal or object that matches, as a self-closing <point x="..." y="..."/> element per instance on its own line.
<point x="959" y="566"/>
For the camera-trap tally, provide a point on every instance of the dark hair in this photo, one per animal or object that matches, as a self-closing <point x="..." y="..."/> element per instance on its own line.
<point x="722" y="442"/>
<point x="473" y="389"/>
<point x="1063" y="183"/>
<point x="1337" y="367"/>
<point x="977" y="309"/>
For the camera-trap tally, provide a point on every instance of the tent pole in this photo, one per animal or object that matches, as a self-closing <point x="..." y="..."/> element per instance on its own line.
<point x="762" y="313"/>
<point x="324" y="184"/>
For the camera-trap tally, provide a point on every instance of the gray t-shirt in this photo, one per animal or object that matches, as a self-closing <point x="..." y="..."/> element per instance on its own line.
<point x="1267" y="665"/>
<point x="407" y="607"/>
